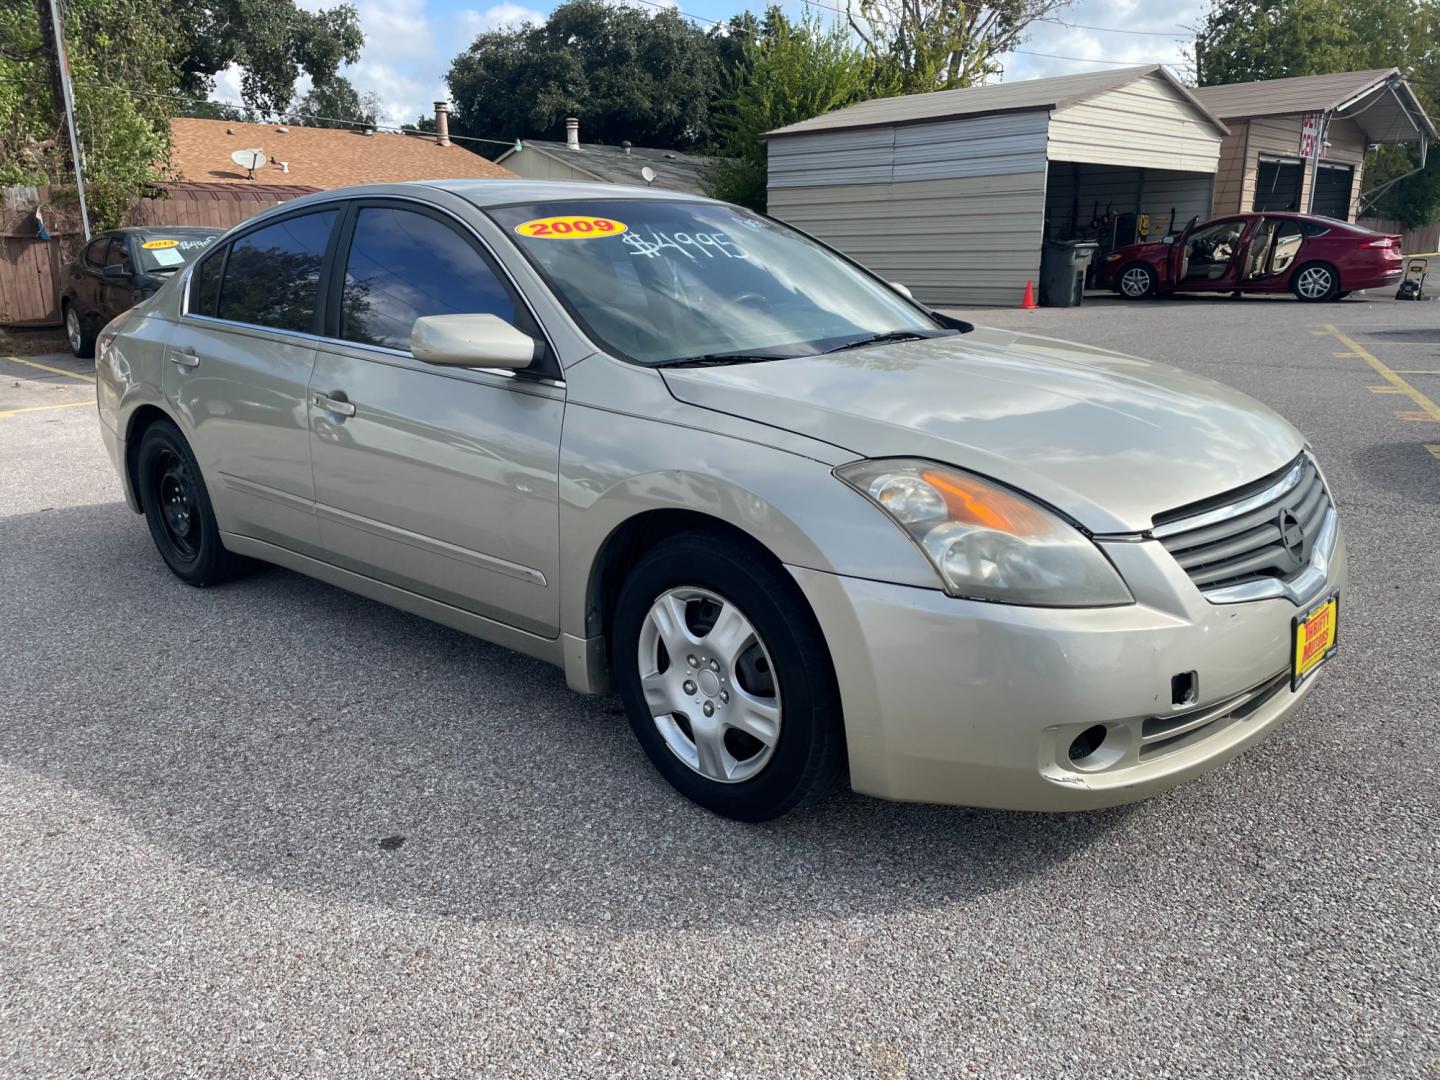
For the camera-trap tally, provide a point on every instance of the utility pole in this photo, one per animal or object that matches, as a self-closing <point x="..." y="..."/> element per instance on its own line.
<point x="52" y="35"/>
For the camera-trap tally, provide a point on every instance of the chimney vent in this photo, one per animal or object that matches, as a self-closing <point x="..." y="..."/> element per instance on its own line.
<point x="572" y="133"/>
<point x="624" y="146"/>
<point x="442" y="123"/>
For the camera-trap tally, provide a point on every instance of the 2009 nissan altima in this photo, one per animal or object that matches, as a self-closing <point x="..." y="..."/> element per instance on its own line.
<point x="806" y="528"/>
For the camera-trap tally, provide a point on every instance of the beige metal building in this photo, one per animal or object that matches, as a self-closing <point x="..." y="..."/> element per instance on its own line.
<point x="952" y="193"/>
<point x="1299" y="144"/>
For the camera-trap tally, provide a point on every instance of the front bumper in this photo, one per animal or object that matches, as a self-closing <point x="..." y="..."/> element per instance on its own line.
<point x="956" y="701"/>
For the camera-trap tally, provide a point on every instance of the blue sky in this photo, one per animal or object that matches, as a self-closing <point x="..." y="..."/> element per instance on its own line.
<point x="409" y="43"/>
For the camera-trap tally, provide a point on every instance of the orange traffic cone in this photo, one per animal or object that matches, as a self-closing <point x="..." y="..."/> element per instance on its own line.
<point x="1028" y="303"/>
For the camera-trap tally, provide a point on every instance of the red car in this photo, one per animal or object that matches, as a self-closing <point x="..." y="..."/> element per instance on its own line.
<point x="1316" y="258"/>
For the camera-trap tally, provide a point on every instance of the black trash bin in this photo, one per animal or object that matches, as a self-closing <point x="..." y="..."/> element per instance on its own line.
<point x="1062" y="272"/>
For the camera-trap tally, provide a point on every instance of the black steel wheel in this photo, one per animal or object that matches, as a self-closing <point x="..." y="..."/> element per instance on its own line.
<point x="178" y="511"/>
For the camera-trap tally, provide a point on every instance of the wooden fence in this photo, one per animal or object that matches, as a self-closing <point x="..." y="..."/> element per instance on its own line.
<point x="1422" y="240"/>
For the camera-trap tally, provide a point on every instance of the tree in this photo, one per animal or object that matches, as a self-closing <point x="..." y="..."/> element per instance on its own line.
<point x="923" y="45"/>
<point x="272" y="41"/>
<point x="331" y="103"/>
<point x="1246" y="40"/>
<point x="786" y="71"/>
<point x="650" y="77"/>
<point x="120" y="61"/>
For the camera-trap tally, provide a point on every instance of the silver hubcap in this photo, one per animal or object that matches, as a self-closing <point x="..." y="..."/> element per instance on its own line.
<point x="1135" y="282"/>
<point x="72" y="328"/>
<point x="709" y="685"/>
<point x="1314" y="282"/>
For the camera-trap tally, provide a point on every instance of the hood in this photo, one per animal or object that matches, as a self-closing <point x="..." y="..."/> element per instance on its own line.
<point x="1111" y="440"/>
<point x="1133" y="251"/>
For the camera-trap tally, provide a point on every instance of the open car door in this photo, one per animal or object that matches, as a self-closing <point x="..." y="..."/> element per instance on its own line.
<point x="1179" y="251"/>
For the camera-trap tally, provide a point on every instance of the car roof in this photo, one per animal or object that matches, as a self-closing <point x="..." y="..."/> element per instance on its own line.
<point x="169" y="230"/>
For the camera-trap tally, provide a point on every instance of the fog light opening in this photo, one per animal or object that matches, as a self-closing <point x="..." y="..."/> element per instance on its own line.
<point x="1087" y="743"/>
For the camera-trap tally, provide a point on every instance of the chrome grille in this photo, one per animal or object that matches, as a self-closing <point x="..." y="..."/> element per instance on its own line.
<point x="1269" y="530"/>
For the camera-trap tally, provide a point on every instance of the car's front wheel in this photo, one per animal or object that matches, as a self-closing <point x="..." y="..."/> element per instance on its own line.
<point x="1316" y="282"/>
<point x="178" y="511"/>
<point x="1136" y="282"/>
<point x="727" y="679"/>
<point x="81" y="343"/>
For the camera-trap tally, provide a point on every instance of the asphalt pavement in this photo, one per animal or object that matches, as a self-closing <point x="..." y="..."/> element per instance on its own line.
<point x="273" y="829"/>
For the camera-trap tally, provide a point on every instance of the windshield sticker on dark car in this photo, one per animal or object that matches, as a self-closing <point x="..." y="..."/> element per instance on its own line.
<point x="571" y="227"/>
<point x="709" y="244"/>
<point x="159" y="245"/>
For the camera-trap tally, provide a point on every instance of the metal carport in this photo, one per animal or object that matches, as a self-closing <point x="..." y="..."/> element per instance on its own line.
<point x="951" y="193"/>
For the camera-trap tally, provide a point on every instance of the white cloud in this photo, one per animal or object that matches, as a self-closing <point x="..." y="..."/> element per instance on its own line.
<point x="508" y="15"/>
<point x="1163" y="36"/>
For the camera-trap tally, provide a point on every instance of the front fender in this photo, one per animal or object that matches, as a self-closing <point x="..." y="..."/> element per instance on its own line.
<point x="615" y="467"/>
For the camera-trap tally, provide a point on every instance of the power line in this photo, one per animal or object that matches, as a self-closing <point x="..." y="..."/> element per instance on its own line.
<point x="1109" y="29"/>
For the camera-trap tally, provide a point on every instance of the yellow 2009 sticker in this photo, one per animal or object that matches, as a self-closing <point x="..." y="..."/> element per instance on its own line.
<point x="570" y="227"/>
<point x="152" y="245"/>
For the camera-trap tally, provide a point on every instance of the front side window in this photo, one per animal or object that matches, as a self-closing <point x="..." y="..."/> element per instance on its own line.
<point x="669" y="282"/>
<point x="273" y="274"/>
<point x="119" y="254"/>
<point x="403" y="265"/>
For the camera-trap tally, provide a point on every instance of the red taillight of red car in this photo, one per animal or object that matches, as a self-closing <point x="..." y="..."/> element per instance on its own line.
<point x="1385" y="242"/>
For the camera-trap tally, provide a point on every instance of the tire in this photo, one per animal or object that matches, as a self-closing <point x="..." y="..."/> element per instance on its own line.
<point x="1315" y="283"/>
<point x="81" y="343"/>
<point x="1136" y="281"/>
<point x="178" y="510"/>
<point x="781" y="662"/>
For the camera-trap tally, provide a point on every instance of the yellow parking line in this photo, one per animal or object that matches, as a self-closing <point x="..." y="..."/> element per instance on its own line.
<point x="1403" y="371"/>
<point x="1434" y="449"/>
<point x="1427" y="408"/>
<point x="1348" y="355"/>
<point x="7" y="413"/>
<point x="1416" y="414"/>
<point x="1386" y="389"/>
<point x="52" y="370"/>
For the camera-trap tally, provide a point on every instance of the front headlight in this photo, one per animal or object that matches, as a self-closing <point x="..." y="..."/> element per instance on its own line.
<point x="985" y="542"/>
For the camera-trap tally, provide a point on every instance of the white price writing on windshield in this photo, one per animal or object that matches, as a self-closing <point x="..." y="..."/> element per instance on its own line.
<point x="687" y="244"/>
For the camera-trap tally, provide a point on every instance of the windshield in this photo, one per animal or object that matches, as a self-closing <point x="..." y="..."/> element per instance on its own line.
<point x="665" y="282"/>
<point x="160" y="253"/>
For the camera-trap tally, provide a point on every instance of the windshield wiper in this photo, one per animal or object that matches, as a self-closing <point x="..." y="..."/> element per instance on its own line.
<point x="881" y="339"/>
<point x="717" y="359"/>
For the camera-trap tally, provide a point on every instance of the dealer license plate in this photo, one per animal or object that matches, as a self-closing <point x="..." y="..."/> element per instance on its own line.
<point x="1315" y="636"/>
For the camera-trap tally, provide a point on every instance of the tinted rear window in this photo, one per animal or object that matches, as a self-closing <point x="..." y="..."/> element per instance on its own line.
<point x="205" y="284"/>
<point x="273" y="274"/>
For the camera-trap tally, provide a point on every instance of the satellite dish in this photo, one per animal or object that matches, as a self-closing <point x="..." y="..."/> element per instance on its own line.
<point x="249" y="159"/>
<point x="647" y="174"/>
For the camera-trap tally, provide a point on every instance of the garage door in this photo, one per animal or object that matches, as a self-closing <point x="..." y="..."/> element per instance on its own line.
<point x="1277" y="185"/>
<point x="1332" y="191"/>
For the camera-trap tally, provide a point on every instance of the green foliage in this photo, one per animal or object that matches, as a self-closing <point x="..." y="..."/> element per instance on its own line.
<point x="923" y="45"/>
<point x="650" y="77"/>
<point x="120" y="61"/>
<point x="1245" y="40"/>
<point x="785" y="71"/>
<point x="272" y="41"/>
<point x="331" y="103"/>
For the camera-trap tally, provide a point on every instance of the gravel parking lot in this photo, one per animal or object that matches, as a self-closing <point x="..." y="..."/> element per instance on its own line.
<point x="273" y="829"/>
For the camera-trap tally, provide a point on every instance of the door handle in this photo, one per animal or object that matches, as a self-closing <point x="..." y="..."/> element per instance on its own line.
<point x="184" y="357"/>
<point x="337" y="405"/>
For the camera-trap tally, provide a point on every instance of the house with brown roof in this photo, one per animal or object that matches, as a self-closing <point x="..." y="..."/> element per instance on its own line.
<point x="211" y="189"/>
<point x="1300" y="143"/>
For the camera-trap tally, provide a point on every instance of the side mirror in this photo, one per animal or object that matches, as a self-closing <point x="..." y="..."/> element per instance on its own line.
<point x="901" y="289"/>
<point x="472" y="341"/>
<point x="116" y="270"/>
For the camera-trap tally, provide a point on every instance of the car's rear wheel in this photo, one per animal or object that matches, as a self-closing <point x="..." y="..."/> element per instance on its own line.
<point x="1316" y="282"/>
<point x="178" y="511"/>
<point x="726" y="678"/>
<point x="1136" y="282"/>
<point x="81" y="343"/>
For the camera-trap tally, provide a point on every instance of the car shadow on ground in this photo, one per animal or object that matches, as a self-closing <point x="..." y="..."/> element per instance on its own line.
<point x="295" y="736"/>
